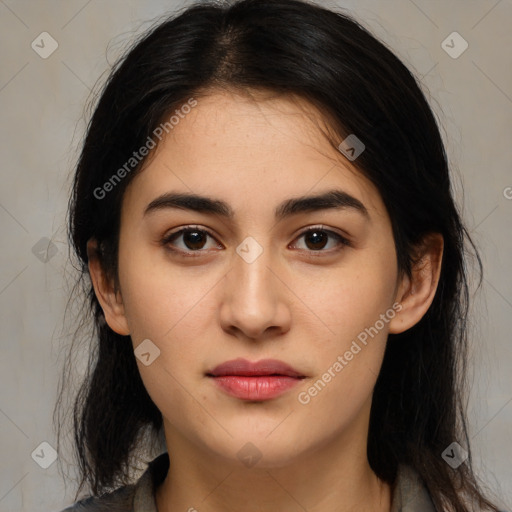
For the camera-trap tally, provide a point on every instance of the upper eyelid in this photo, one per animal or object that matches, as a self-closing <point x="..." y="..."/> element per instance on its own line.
<point x="344" y="238"/>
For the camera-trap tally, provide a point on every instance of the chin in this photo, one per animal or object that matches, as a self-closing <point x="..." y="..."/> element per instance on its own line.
<point x="261" y="451"/>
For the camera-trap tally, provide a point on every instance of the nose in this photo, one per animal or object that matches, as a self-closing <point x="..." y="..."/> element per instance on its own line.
<point x="255" y="300"/>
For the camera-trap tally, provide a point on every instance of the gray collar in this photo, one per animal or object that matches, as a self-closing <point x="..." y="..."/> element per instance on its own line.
<point x="410" y="493"/>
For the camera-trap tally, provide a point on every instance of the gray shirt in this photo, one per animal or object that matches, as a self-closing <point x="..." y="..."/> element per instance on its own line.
<point x="409" y="492"/>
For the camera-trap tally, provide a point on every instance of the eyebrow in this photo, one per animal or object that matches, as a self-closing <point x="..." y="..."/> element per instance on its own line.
<point x="332" y="199"/>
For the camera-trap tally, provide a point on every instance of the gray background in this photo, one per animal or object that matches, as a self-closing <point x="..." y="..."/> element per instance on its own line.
<point x="42" y="104"/>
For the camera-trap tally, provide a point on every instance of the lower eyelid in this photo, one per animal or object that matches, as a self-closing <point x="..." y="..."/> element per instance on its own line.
<point x="343" y="241"/>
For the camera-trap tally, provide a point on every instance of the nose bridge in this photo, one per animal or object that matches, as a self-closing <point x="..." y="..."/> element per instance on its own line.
<point x="251" y="273"/>
<point x="252" y="299"/>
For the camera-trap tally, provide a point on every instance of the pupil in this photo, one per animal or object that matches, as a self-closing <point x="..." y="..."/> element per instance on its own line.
<point x="195" y="239"/>
<point x="315" y="235"/>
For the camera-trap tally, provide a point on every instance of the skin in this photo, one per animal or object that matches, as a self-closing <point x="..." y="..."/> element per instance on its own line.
<point x="288" y="304"/>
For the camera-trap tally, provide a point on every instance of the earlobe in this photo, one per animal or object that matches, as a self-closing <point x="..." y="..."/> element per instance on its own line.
<point x="416" y="293"/>
<point x="110" y="299"/>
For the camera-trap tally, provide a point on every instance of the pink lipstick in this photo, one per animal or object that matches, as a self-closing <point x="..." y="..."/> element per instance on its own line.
<point x="261" y="380"/>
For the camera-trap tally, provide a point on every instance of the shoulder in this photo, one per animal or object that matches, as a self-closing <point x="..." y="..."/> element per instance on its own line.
<point x="410" y="493"/>
<point x="120" y="500"/>
<point x="137" y="497"/>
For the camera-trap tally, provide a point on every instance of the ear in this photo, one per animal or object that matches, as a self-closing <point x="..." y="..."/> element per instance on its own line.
<point x="110" y="299"/>
<point x="416" y="293"/>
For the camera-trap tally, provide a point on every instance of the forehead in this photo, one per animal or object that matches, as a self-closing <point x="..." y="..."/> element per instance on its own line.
<point x="253" y="122"/>
<point x="253" y="151"/>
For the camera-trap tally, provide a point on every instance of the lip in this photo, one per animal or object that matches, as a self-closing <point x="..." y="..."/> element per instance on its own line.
<point x="243" y="367"/>
<point x="261" y="380"/>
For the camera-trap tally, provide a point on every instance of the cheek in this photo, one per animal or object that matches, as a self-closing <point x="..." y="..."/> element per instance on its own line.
<point x="355" y="308"/>
<point x="158" y="296"/>
<point x="170" y="308"/>
<point x="354" y="296"/>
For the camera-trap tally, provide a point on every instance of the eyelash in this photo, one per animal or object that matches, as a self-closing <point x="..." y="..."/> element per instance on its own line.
<point x="168" y="238"/>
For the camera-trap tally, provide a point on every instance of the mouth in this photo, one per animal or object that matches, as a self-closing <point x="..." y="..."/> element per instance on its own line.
<point x="262" y="380"/>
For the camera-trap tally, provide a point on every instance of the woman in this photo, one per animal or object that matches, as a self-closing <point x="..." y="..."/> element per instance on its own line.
<point x="265" y="228"/>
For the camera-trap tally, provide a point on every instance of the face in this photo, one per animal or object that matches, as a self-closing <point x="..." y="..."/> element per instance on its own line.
<point x="315" y="288"/>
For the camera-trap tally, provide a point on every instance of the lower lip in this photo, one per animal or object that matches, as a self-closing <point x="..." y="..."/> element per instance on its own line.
<point x="255" y="388"/>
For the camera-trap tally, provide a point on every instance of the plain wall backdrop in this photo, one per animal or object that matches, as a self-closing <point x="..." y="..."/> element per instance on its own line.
<point x="42" y="104"/>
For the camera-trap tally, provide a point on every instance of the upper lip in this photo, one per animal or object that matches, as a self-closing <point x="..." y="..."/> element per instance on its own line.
<point x="247" y="368"/>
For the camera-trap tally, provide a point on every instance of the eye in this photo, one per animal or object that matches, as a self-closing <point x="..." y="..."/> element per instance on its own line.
<point x="316" y="239"/>
<point x="194" y="240"/>
<point x="193" y="237"/>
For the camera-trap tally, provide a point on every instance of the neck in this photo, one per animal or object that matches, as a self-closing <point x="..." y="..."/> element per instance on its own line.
<point x="332" y="479"/>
